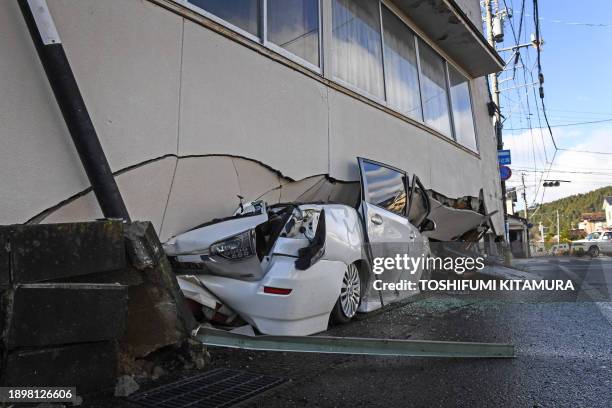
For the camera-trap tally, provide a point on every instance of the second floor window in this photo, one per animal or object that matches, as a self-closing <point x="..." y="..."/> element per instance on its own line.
<point x="357" y="48"/>
<point x="401" y="68"/>
<point x="433" y="89"/>
<point x="243" y="14"/>
<point x="294" y="26"/>
<point x="462" y="109"/>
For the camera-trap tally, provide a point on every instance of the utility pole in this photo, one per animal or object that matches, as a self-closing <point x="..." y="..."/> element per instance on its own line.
<point x="525" y="212"/>
<point x="493" y="77"/>
<point x="558" y="233"/>
<point x="541" y="227"/>
<point x="524" y="197"/>
<point x="489" y="16"/>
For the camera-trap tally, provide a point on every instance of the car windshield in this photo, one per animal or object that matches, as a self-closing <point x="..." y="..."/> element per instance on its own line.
<point x="593" y="235"/>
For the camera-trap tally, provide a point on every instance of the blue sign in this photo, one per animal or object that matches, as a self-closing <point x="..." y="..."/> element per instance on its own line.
<point x="505" y="173"/>
<point x="503" y="157"/>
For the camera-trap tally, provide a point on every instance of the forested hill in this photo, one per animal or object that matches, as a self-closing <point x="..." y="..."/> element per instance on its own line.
<point x="570" y="209"/>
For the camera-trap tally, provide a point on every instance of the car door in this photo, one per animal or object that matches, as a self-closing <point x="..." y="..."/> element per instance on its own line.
<point x="388" y="233"/>
<point x="606" y="242"/>
<point x="419" y="207"/>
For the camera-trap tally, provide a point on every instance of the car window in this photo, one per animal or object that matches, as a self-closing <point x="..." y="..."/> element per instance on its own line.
<point x="607" y="235"/>
<point x="384" y="187"/>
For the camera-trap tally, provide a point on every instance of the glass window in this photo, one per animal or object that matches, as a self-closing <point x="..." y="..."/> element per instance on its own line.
<point x="433" y="86"/>
<point x="243" y="14"/>
<point x="357" y="48"/>
<point x="401" y="69"/>
<point x="462" y="109"/>
<point x="385" y="187"/>
<point x="294" y="25"/>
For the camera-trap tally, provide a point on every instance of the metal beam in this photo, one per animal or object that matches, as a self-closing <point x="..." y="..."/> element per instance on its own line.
<point x="351" y="345"/>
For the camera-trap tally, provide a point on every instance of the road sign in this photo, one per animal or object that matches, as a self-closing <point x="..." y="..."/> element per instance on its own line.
<point x="503" y="157"/>
<point x="505" y="172"/>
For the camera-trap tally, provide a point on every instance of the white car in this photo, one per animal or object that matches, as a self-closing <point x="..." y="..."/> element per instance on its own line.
<point x="559" y="249"/>
<point x="595" y="243"/>
<point x="286" y="269"/>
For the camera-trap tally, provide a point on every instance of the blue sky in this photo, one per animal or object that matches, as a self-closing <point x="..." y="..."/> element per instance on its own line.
<point x="577" y="66"/>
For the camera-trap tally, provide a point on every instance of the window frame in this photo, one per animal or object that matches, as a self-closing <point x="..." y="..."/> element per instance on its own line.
<point x="288" y="54"/>
<point x="468" y="80"/>
<point x="447" y="89"/>
<point x="354" y="88"/>
<point x="420" y="118"/>
<point x="226" y="23"/>
<point x="262" y="37"/>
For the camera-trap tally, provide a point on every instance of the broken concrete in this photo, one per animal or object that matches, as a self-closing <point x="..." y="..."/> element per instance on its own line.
<point x="126" y="385"/>
<point x="157" y="314"/>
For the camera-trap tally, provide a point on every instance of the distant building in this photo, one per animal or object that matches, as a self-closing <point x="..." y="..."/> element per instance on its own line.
<point x="593" y="221"/>
<point x="518" y="235"/>
<point x="607" y="207"/>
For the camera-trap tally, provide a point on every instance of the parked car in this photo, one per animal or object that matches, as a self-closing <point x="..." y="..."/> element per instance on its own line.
<point x="595" y="243"/>
<point x="288" y="268"/>
<point x="560" y="249"/>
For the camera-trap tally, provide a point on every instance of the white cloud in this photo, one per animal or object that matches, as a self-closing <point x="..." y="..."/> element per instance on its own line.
<point x="524" y="145"/>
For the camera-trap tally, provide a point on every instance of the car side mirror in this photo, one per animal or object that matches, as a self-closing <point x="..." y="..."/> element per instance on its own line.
<point x="428" y="225"/>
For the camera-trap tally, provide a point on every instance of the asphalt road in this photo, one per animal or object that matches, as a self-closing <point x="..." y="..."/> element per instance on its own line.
<point x="563" y="343"/>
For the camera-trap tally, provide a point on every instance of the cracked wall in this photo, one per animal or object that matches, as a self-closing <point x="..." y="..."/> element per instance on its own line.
<point x="201" y="188"/>
<point x="160" y="87"/>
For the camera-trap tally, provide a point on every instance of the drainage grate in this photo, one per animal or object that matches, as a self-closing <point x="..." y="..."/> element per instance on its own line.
<point x="216" y="388"/>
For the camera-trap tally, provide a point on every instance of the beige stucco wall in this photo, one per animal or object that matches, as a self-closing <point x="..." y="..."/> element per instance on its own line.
<point x="159" y="85"/>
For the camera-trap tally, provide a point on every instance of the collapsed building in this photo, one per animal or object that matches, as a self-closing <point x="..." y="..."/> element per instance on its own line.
<point x="196" y="102"/>
<point x="200" y="105"/>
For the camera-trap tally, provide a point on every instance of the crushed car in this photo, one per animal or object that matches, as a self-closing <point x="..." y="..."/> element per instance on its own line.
<point x="291" y="268"/>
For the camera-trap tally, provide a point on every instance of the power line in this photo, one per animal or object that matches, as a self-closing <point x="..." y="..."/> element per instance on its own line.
<point x="584" y="151"/>
<point x="570" y="124"/>
<point x="575" y="23"/>
<point x="598" y="173"/>
<point x="536" y="20"/>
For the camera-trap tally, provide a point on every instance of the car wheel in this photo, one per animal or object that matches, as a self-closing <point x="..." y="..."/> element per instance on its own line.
<point x="350" y="296"/>
<point x="593" y="251"/>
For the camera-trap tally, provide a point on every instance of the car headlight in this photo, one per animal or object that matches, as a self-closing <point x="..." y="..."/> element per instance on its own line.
<point x="237" y="247"/>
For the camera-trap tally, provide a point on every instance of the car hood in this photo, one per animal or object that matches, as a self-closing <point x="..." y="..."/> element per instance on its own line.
<point x="581" y="241"/>
<point x="202" y="238"/>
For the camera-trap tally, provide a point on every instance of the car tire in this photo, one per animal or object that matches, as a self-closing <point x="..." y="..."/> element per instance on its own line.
<point x="593" y="251"/>
<point x="350" y="295"/>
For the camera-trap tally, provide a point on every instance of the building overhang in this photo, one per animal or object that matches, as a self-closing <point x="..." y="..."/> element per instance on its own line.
<point x="450" y="28"/>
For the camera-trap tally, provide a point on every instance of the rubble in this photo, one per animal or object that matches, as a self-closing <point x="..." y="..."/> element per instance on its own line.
<point x="126" y="385"/>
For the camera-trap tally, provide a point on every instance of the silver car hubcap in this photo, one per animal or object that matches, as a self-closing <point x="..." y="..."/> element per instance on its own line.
<point x="350" y="293"/>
